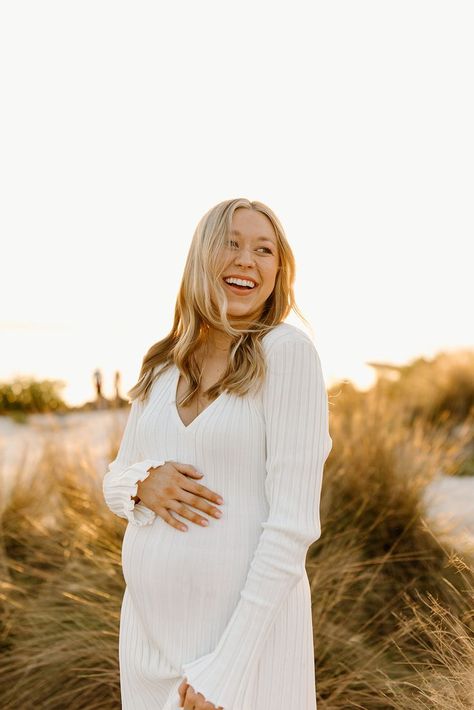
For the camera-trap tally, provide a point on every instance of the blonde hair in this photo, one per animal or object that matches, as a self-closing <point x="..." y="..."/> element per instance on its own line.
<point x="202" y="302"/>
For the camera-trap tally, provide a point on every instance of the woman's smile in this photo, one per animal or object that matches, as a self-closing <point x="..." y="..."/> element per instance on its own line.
<point x="240" y="290"/>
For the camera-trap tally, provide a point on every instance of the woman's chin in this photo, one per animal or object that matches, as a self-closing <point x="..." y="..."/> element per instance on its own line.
<point x="243" y="312"/>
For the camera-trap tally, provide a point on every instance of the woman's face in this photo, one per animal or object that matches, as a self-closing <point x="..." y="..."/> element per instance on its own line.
<point x="251" y="253"/>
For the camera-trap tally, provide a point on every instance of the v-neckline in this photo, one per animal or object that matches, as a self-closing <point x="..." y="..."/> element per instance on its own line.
<point x="174" y="406"/>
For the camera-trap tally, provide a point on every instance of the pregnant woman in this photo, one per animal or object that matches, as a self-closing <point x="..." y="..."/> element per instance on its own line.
<point x="229" y="416"/>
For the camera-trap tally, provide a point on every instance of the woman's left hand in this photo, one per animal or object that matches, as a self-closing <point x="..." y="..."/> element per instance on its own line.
<point x="190" y="700"/>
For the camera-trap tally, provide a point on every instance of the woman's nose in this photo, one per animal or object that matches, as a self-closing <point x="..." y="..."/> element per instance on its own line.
<point x="244" y="256"/>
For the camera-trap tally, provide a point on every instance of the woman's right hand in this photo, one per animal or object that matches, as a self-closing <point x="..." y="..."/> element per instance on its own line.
<point x="169" y="487"/>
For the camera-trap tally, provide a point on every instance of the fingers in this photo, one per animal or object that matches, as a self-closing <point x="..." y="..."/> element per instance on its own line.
<point x="171" y="520"/>
<point x="182" y="691"/>
<point x="168" y="494"/>
<point x="196" y="488"/>
<point x="187" y="469"/>
<point x="189" y="698"/>
<point x="200" y="491"/>
<point x="197" y="701"/>
<point x="190" y="500"/>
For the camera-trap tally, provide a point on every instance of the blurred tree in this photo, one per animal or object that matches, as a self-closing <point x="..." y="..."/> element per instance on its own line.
<point x="31" y="396"/>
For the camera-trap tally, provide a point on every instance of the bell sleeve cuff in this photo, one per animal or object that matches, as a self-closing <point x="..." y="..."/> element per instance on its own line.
<point x="137" y="513"/>
<point x="120" y="486"/>
<point x="120" y="482"/>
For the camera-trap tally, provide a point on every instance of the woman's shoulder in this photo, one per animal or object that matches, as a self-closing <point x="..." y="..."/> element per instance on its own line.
<point x="284" y="333"/>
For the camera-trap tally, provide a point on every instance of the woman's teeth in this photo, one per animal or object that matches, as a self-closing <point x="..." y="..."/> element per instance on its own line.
<point x="240" y="283"/>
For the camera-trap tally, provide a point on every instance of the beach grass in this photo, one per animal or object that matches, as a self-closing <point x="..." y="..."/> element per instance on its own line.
<point x="392" y="588"/>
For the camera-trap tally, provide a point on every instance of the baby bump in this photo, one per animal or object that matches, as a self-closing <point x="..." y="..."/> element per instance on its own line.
<point x="175" y="577"/>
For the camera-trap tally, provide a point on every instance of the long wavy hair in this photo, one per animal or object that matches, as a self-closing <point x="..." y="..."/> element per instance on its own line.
<point x="202" y="303"/>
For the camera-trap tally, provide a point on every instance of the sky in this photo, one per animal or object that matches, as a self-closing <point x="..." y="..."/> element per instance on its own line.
<point x="122" y="123"/>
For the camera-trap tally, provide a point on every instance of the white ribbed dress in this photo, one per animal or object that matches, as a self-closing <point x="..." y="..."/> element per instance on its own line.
<point x="228" y="605"/>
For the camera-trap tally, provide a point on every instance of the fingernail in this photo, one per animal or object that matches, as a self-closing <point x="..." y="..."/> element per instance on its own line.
<point x="219" y="500"/>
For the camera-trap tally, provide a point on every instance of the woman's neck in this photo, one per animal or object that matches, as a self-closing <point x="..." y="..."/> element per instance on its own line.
<point x="216" y="345"/>
<point x="218" y="342"/>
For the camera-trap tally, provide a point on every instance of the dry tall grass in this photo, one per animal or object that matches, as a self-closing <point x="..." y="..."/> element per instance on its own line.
<point x="392" y="595"/>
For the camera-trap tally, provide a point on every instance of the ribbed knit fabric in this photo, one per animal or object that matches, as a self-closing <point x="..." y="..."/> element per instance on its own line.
<point x="227" y="606"/>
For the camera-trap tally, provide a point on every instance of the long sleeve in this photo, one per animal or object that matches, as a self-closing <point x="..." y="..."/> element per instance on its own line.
<point x="121" y="480"/>
<point x="298" y="443"/>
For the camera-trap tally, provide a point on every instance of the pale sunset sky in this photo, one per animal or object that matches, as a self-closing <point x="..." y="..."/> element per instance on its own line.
<point x="124" y="122"/>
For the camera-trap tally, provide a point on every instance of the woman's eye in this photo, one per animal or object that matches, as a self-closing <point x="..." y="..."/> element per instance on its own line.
<point x="232" y="242"/>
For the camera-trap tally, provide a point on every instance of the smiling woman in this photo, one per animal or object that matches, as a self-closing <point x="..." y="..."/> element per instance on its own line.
<point x="236" y="394"/>
<point x="258" y="268"/>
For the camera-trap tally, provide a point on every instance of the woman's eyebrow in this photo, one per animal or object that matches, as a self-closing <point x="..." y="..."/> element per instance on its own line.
<point x="260" y="239"/>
